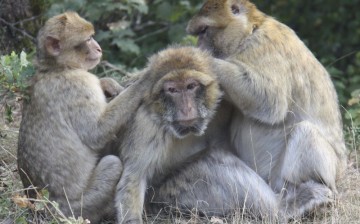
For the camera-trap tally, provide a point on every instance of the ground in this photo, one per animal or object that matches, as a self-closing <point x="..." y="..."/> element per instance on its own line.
<point x="14" y="208"/>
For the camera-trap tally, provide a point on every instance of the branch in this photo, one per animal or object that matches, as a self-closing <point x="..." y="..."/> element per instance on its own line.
<point x="23" y="32"/>
<point x="151" y="34"/>
<point x="113" y="68"/>
<point x="26" y="20"/>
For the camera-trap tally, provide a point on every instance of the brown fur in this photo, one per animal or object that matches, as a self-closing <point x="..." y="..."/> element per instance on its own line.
<point x="285" y="120"/>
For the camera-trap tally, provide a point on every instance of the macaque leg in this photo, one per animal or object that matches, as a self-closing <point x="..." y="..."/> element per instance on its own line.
<point x="308" y="170"/>
<point x="217" y="184"/>
<point x="98" y="200"/>
<point x="130" y="197"/>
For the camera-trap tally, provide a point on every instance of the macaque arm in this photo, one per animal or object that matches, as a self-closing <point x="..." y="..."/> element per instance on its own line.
<point x="96" y="129"/>
<point x="259" y="96"/>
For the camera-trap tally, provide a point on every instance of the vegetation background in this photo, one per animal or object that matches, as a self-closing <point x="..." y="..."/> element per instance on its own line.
<point x="129" y="31"/>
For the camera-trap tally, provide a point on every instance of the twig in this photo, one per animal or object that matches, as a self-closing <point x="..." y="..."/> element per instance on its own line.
<point x="8" y="152"/>
<point x="147" y="24"/>
<point x="339" y="59"/>
<point x="23" y="32"/>
<point x="151" y="34"/>
<point x="113" y="68"/>
<point x="26" y="20"/>
<point x="12" y="131"/>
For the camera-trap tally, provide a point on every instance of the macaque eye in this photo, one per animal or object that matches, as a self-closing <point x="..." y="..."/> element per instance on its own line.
<point x="191" y="86"/>
<point x="235" y="9"/>
<point x="89" y="39"/>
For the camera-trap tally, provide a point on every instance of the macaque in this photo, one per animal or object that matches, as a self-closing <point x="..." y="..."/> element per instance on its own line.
<point x="172" y="116"/>
<point x="285" y="123"/>
<point x="167" y="134"/>
<point x="67" y="121"/>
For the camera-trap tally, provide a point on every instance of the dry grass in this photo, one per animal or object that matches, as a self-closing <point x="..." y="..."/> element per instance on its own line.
<point x="346" y="208"/>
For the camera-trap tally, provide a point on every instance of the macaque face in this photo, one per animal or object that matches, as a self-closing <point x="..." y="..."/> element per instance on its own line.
<point x="181" y="102"/>
<point x="92" y="51"/>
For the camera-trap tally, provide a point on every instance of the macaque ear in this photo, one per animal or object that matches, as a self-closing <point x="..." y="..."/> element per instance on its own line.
<point x="52" y="46"/>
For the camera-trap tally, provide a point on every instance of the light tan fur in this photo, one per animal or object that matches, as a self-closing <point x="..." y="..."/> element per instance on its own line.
<point x="155" y="155"/>
<point x="67" y="121"/>
<point x="286" y="123"/>
<point x="153" y="144"/>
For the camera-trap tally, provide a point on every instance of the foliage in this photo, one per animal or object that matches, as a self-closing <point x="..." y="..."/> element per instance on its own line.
<point x="331" y="30"/>
<point x="353" y="112"/>
<point x="15" y="71"/>
<point x="20" y="20"/>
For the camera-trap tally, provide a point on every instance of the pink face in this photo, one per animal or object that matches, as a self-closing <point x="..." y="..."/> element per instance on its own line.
<point x="86" y="55"/>
<point x="94" y="53"/>
<point x="183" y="94"/>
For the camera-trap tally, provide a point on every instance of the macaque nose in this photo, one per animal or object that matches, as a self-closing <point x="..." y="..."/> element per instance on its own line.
<point x="187" y="116"/>
<point x="99" y="49"/>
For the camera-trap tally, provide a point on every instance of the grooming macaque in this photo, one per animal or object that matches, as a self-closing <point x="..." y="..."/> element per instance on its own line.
<point x="286" y="123"/>
<point x="166" y="135"/>
<point x="67" y="121"/>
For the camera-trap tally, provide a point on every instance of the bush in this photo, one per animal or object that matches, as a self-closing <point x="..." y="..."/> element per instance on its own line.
<point x="15" y="71"/>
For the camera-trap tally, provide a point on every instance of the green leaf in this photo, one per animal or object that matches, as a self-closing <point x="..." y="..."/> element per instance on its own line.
<point x="356" y="93"/>
<point x="139" y="5"/>
<point x="102" y="35"/>
<point x="164" y="11"/>
<point x="9" y="113"/>
<point x="23" y="61"/>
<point x="127" y="45"/>
<point x="44" y="193"/>
<point x="21" y="220"/>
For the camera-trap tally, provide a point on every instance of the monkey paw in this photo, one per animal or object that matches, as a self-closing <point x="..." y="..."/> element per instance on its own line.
<point x="305" y="198"/>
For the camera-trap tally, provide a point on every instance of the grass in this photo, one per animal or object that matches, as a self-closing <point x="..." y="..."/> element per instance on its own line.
<point x="14" y="208"/>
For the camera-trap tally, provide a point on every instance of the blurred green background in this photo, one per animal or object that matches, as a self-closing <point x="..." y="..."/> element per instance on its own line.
<point x="131" y="30"/>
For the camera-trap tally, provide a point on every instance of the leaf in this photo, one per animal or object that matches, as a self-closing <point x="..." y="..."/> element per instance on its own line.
<point x="127" y="45"/>
<point x="9" y="113"/>
<point x="23" y="61"/>
<point x="21" y="220"/>
<point x="356" y="93"/>
<point x="353" y="101"/>
<point x="43" y="194"/>
<point x="164" y="11"/>
<point x="22" y="201"/>
<point x="140" y="6"/>
<point x="176" y="33"/>
<point x="102" y="35"/>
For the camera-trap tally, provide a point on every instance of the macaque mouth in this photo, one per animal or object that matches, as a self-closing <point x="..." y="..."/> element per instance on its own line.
<point x="183" y="130"/>
<point x="94" y="59"/>
<point x="202" y="37"/>
<point x="203" y="31"/>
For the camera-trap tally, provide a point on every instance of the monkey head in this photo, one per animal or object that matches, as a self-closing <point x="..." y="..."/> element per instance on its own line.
<point x="222" y="26"/>
<point x="187" y="93"/>
<point x="66" y="41"/>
